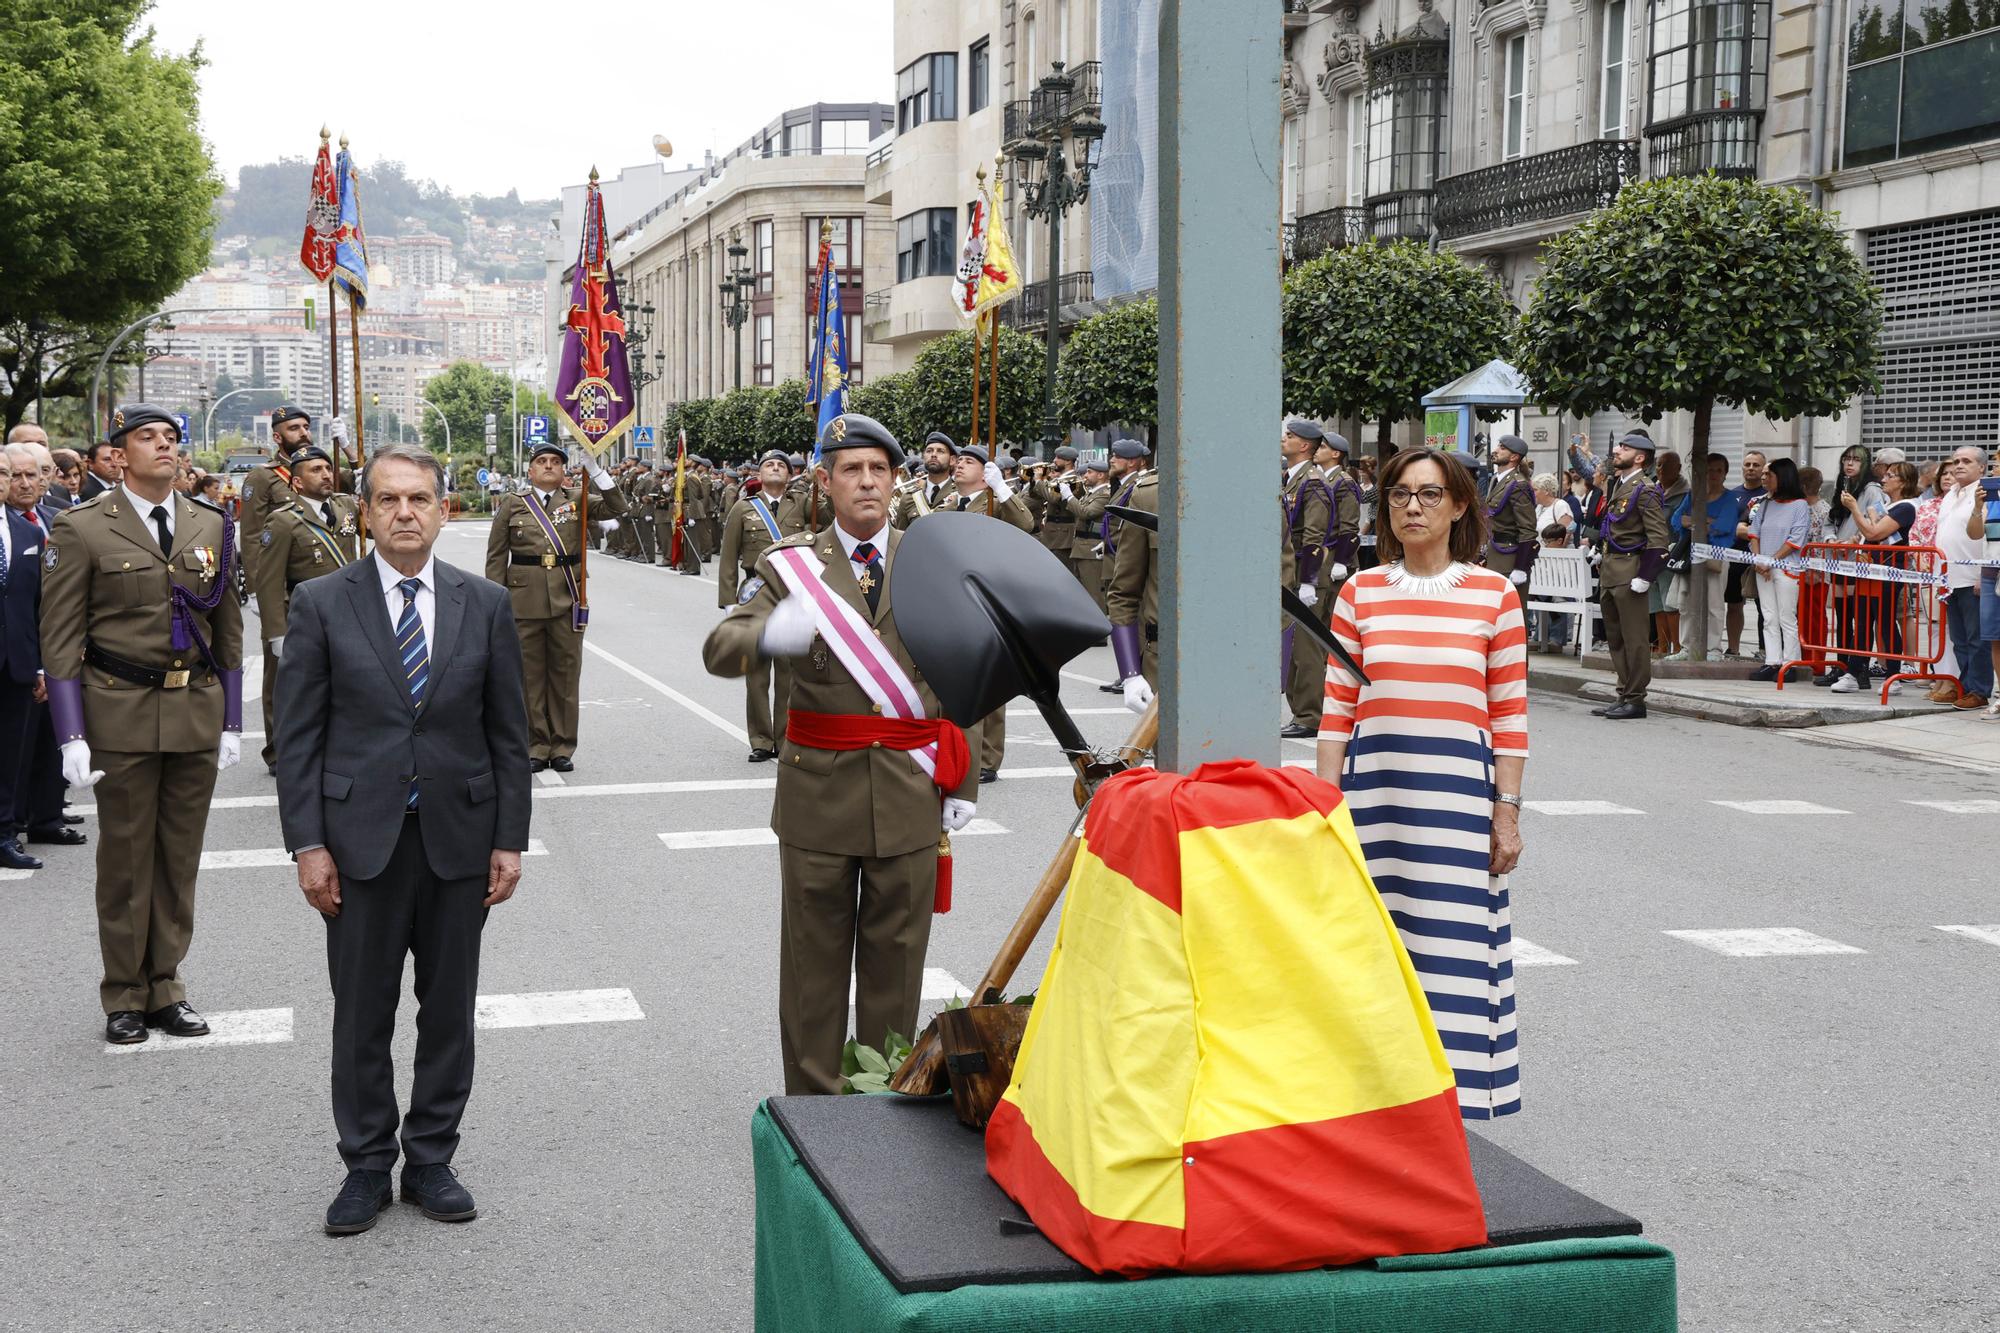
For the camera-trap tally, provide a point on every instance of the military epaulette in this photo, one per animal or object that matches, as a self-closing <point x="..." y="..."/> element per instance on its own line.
<point x="210" y="505"/>
<point x="796" y="539"/>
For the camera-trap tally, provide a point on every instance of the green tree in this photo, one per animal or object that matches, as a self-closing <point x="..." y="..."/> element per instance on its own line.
<point x="732" y="425"/>
<point x="1686" y="292"/>
<point x="785" y="421"/>
<point x="107" y="191"/>
<point x="691" y="416"/>
<point x="940" y="391"/>
<point x="1110" y="369"/>
<point x="884" y="397"/>
<point x="1370" y="329"/>
<point x="465" y="392"/>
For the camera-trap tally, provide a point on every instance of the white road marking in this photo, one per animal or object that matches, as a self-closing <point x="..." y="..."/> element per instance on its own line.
<point x="548" y="777"/>
<point x="1779" y="807"/>
<point x="713" y="719"/>
<point x="1960" y="807"/>
<point x="938" y="985"/>
<point x="1529" y="954"/>
<point x="1074" y="712"/>
<point x="241" y="1027"/>
<point x="1990" y="934"/>
<point x="259" y="858"/>
<point x="1086" y="680"/>
<point x="1772" y="942"/>
<point x="16" y="874"/>
<point x="253" y="677"/>
<point x="1580" y="808"/>
<point x="553" y="1008"/>
<point x="702" y="839"/>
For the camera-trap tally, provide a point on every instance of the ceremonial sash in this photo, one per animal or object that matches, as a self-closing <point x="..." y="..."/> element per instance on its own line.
<point x="325" y="538"/>
<point x="764" y="513"/>
<point x="579" y="613"/>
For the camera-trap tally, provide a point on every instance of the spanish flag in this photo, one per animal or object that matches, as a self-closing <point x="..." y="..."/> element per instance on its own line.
<point x="1231" y="1066"/>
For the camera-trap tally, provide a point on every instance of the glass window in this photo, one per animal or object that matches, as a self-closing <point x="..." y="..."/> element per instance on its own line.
<point x="1923" y="75"/>
<point x="925" y="244"/>
<point x="927" y="89"/>
<point x="844" y="136"/>
<point x="979" y="76"/>
<point x="1513" y="130"/>
<point x="760" y="254"/>
<point x="1059" y="39"/>
<point x="944" y="86"/>
<point x="798" y="139"/>
<point x="1357" y="148"/>
<point x="1875" y="30"/>
<point x="765" y="332"/>
<point x="1951" y="95"/>
<point x="1030" y="63"/>
<point x="1708" y="55"/>
<point x="1611" y="84"/>
<point x="844" y="240"/>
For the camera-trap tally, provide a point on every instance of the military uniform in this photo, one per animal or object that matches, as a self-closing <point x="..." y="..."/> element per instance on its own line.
<point x="750" y="529"/>
<point x="1308" y="503"/>
<point x="992" y="730"/>
<point x="920" y="496"/>
<point x="1634" y="539"/>
<point x="153" y="712"/>
<point x="1132" y="587"/>
<point x="1086" y="547"/>
<point x="538" y="578"/>
<point x="858" y="826"/>
<point x="797" y="511"/>
<point x="1058" y="511"/>
<point x="299" y="542"/>
<point x="1510" y="515"/>
<point x="644" y="502"/>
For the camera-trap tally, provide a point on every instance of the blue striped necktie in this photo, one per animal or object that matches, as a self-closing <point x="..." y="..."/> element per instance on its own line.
<point x="416" y="656"/>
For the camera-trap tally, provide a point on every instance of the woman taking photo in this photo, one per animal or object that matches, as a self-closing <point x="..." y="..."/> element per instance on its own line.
<point x="1430" y="756"/>
<point x="1890" y="603"/>
<point x="1777" y="533"/>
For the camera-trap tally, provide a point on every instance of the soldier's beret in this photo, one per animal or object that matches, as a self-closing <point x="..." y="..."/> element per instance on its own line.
<point x="1067" y="453"/>
<point x="1134" y="449"/>
<point x="1638" y="439"/>
<point x="1513" y="444"/>
<point x="289" y="412"/>
<point x="1305" y="430"/>
<point x="1008" y="463"/>
<point x="939" y="437"/>
<point x="308" y="452"/>
<point x="972" y="451"/>
<point x="795" y="461"/>
<point x="134" y="415"/>
<point x="1094" y="463"/>
<point x="548" y="447"/>
<point x="1335" y="441"/>
<point x="851" y="430"/>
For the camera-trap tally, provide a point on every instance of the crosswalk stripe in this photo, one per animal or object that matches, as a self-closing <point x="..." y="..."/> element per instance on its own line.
<point x="1960" y="807"/>
<point x="707" y="715"/>
<point x="240" y="1027"/>
<point x="938" y="985"/>
<point x="1580" y="808"/>
<point x="704" y="839"/>
<point x="1529" y="954"/>
<point x="1779" y="807"/>
<point x="1990" y="934"/>
<point x="556" y="1008"/>
<point x="259" y="858"/>
<point x="1074" y="712"/>
<point x="548" y="777"/>
<point x="1769" y="942"/>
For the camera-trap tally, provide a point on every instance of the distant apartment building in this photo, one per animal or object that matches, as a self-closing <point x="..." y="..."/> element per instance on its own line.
<point x="279" y="354"/>
<point x="417" y="258"/>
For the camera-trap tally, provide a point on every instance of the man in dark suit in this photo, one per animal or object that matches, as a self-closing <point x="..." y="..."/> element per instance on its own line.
<point x="21" y="689"/>
<point x="403" y="791"/>
<point x="36" y="814"/>
<point x="104" y="467"/>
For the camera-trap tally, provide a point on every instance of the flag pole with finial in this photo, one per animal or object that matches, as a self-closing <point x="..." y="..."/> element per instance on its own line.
<point x="583" y="483"/>
<point x="332" y="326"/>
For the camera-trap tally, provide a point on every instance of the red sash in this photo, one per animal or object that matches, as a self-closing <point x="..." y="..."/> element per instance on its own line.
<point x="861" y="731"/>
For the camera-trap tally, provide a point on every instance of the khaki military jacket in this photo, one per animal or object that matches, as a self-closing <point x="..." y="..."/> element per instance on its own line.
<point x="295" y="546"/>
<point x="1635" y="545"/>
<point x="1014" y="511"/>
<point x="1058" y="515"/>
<point x="105" y="581"/>
<point x="745" y="538"/>
<point x="1510" y="520"/>
<point x="1306" y="497"/>
<point x="1132" y="594"/>
<point x="540" y="590"/>
<point x="913" y="500"/>
<point x="873" y="802"/>
<point x="1089" y="509"/>
<point x="1343" y="529"/>
<point x="794" y="506"/>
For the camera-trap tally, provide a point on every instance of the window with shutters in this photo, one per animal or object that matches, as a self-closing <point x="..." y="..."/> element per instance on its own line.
<point x="1940" y="349"/>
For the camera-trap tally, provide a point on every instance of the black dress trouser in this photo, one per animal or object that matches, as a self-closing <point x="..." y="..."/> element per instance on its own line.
<point x="405" y="910"/>
<point x="17" y="752"/>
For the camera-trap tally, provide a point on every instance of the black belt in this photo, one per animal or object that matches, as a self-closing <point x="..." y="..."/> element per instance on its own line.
<point x="157" y="677"/>
<point x="548" y="560"/>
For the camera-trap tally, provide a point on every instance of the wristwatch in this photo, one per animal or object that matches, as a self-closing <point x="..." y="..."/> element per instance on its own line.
<point x="1507" y="798"/>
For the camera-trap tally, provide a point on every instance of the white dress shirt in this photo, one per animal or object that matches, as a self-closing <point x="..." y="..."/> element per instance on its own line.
<point x="145" y="508"/>
<point x="392" y="596"/>
<point x="880" y="541"/>
<point x="7" y="538"/>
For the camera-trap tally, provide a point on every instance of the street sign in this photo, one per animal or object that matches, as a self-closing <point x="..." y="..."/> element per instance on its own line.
<point x="484" y="476"/>
<point x="535" y="429"/>
<point x="181" y="420"/>
<point x="642" y="437"/>
<point x="492" y="449"/>
<point x="492" y="429"/>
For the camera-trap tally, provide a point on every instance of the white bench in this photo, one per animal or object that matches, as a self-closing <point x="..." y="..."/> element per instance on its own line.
<point x="1561" y="581"/>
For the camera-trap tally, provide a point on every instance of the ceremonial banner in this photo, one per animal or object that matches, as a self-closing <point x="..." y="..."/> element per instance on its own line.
<point x="594" y="387"/>
<point x="316" y="250"/>
<point x="1301" y="1114"/>
<point x="350" y="249"/>
<point x="988" y="277"/>
<point x="680" y="504"/>
<point x="826" y="368"/>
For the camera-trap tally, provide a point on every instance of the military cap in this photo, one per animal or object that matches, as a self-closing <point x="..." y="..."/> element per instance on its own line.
<point x="1335" y="441"/>
<point x="1305" y="430"/>
<point x="1513" y="444"/>
<point x="290" y="412"/>
<point x="972" y="451"/>
<point x="309" y="452"/>
<point x="134" y="415"/>
<point x="548" y="447"/>
<point x="1067" y="453"/>
<point x="939" y="437"/>
<point x="1134" y="449"/>
<point x="1638" y="439"/>
<point x="773" y="456"/>
<point x="795" y="461"/>
<point x="851" y="430"/>
<point x="1095" y="464"/>
<point x="1008" y="463"/>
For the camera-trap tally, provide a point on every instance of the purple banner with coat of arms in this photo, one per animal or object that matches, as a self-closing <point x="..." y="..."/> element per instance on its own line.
<point x="594" y="388"/>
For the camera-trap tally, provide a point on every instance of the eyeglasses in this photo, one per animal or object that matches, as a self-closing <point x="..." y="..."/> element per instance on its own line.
<point x="1430" y="497"/>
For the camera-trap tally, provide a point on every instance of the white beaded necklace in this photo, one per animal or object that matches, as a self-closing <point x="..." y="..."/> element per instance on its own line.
<point x="1427" y="585"/>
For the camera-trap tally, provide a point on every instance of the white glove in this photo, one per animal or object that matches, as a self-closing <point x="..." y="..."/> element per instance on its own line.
<point x="229" y="751"/>
<point x="608" y="525"/>
<point x="277" y="647"/>
<point x="1309" y="594"/>
<point x="337" y="429"/>
<point x="788" y="630"/>
<point x="1642" y="585"/>
<point x="1337" y="573"/>
<point x="1519" y="577"/>
<point x="1138" y="694"/>
<point x="956" y="814"/>
<point x="77" y="771"/>
<point x="1064" y="487"/>
<point x="1596" y="557"/>
<point x="996" y="484"/>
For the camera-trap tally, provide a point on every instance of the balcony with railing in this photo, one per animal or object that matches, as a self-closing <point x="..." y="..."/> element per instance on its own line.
<point x="1402" y="215"/>
<point x="1031" y="309"/>
<point x="1329" y="229"/>
<point x="875" y="315"/>
<point x="1724" y="142"/>
<point x="1015" y="120"/>
<point x="1555" y="184"/>
<point x="1084" y="97"/>
<point x="875" y="173"/>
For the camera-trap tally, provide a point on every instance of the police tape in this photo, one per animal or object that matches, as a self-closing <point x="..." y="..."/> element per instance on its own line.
<point x="1795" y="565"/>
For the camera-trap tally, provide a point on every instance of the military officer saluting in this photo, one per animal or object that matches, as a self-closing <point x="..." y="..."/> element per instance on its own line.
<point x="748" y="530"/>
<point x="534" y="549"/>
<point x="1633" y="538"/>
<point x="870" y="772"/>
<point x="932" y="489"/>
<point x="142" y="639"/>
<point x="1132" y="588"/>
<point x="983" y="490"/>
<point x="315" y="534"/>
<point x="1510" y="513"/>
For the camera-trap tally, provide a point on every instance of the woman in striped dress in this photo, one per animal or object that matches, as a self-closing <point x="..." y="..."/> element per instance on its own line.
<point x="1429" y="756"/>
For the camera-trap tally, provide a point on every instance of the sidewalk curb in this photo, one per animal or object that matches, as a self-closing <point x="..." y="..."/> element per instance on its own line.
<point x="1664" y="697"/>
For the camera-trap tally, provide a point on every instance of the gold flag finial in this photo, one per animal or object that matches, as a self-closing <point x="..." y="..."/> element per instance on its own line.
<point x="343" y="143"/>
<point x="323" y="135"/>
<point x="593" y="175"/>
<point x="980" y="175"/>
<point x="826" y="229"/>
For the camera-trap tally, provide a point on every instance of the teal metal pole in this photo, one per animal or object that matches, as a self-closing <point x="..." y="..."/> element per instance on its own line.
<point x="1219" y="384"/>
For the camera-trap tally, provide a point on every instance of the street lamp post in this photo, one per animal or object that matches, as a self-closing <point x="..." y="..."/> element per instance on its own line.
<point x="736" y="297"/>
<point x="1051" y="186"/>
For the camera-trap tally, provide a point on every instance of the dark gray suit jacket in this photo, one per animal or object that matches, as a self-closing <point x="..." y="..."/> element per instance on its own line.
<point x="349" y="738"/>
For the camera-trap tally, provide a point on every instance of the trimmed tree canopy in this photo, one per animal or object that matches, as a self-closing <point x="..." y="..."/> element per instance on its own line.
<point x="886" y="398"/>
<point x="784" y="421"/>
<point x="1110" y="368"/>
<point x="732" y="424"/>
<point x="940" y="395"/>
<point x="1689" y="291"/>
<point x="1370" y="329"/>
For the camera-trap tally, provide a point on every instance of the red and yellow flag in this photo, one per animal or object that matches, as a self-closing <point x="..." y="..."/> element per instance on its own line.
<point x="1231" y="1065"/>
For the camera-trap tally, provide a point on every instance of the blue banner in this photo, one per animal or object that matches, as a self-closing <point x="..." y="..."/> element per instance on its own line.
<point x="350" y="248"/>
<point x="826" y="371"/>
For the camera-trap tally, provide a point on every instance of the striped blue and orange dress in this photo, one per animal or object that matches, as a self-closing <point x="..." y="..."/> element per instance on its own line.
<point x="1446" y="656"/>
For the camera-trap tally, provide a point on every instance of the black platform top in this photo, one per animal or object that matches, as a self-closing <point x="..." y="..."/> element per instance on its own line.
<point x="911" y="1183"/>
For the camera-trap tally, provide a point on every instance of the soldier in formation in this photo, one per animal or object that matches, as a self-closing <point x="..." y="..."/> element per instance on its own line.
<point x="931" y="488"/>
<point x="1089" y="493"/>
<point x="315" y="533"/>
<point x="1510" y="513"/>
<point x="1633" y="542"/>
<point x="750" y="529"/>
<point x="1309" y="507"/>
<point x="1132" y="583"/>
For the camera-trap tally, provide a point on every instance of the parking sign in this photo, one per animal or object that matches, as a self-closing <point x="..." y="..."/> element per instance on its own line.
<point x="181" y="420"/>
<point x="535" y="428"/>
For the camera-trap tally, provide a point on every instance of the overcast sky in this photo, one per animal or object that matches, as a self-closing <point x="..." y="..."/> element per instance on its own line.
<point x="506" y="95"/>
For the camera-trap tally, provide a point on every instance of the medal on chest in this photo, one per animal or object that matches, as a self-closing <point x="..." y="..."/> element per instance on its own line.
<point x="867" y="581"/>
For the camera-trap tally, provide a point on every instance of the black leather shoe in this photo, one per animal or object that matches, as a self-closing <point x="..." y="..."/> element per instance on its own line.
<point x="1624" y="712"/>
<point x="987" y="775"/>
<point x="1298" y="732"/>
<point x="363" y="1196"/>
<point x="127" y="1027"/>
<point x="1115" y="687"/>
<point x="561" y="764"/>
<point x="537" y="765"/>
<point x="178" y="1020"/>
<point x="13" y="858"/>
<point x="72" y="819"/>
<point x="1764" y="673"/>
<point x="436" y="1190"/>
<point x="58" y="835"/>
<point x="762" y="756"/>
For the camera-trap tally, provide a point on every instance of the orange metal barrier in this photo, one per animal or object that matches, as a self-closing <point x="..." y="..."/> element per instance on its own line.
<point x="1872" y="602"/>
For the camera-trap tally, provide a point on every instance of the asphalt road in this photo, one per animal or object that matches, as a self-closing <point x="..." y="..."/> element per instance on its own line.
<point x="1807" y="1132"/>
